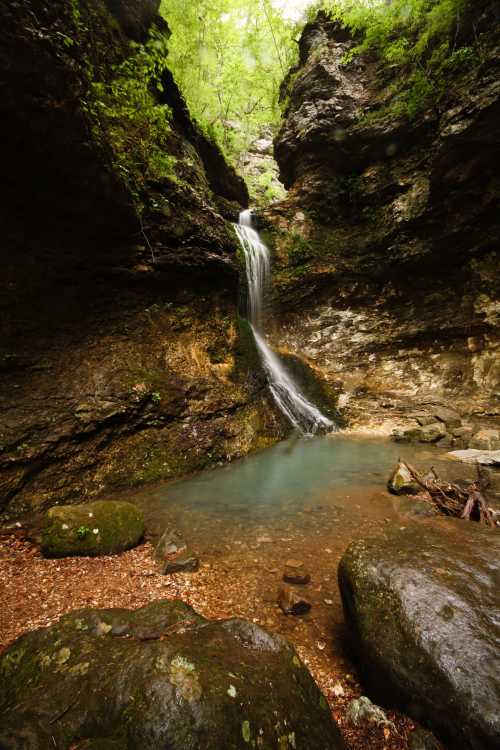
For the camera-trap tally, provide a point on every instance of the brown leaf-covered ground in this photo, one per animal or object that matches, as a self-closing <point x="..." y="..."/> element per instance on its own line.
<point x="37" y="591"/>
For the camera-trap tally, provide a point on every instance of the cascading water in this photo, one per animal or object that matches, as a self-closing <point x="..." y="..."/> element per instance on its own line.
<point x="306" y="417"/>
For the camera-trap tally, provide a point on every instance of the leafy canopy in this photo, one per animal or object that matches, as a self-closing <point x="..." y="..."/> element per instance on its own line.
<point x="229" y="58"/>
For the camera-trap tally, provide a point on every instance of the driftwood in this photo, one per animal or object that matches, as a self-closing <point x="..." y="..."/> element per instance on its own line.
<point x="452" y="500"/>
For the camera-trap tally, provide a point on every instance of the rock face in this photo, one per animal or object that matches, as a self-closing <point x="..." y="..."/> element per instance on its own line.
<point x="100" y="528"/>
<point x="120" y="339"/>
<point x="422" y="605"/>
<point x="385" y="260"/>
<point x="160" y="676"/>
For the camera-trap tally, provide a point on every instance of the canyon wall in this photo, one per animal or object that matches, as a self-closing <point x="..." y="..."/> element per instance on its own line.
<point x="386" y="250"/>
<point x="122" y="356"/>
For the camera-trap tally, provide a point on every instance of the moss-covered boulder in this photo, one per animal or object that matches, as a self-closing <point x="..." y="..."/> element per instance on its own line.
<point x="159" y="677"/>
<point x="100" y="528"/>
<point x="422" y="606"/>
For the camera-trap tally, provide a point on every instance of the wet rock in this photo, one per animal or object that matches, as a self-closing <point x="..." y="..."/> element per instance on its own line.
<point x="172" y="555"/>
<point x="488" y="440"/>
<point x="420" y="739"/>
<point x="199" y="684"/>
<point x="291" y="602"/>
<point x="424" y="419"/>
<point x="296" y="575"/>
<point x="446" y="441"/>
<point x="450" y="417"/>
<point x="361" y="710"/>
<point x="185" y="562"/>
<point x="473" y="456"/>
<point x="100" y="528"/>
<point x="465" y="432"/>
<point x="421" y="604"/>
<point x="406" y="434"/>
<point x="401" y="481"/>
<point x="433" y="432"/>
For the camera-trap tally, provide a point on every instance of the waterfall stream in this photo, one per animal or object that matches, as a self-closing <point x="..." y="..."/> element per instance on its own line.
<point x="303" y="415"/>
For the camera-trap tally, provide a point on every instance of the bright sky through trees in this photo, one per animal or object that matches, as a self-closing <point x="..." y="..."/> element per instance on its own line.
<point x="292" y="9"/>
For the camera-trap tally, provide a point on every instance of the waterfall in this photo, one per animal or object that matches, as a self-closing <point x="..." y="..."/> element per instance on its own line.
<point x="303" y="415"/>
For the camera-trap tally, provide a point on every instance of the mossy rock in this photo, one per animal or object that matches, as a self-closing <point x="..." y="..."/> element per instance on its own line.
<point x="159" y="677"/>
<point x="421" y="605"/>
<point x="100" y="528"/>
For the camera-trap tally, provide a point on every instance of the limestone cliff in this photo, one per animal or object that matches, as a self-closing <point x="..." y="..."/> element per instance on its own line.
<point x="386" y="250"/>
<point x="121" y="356"/>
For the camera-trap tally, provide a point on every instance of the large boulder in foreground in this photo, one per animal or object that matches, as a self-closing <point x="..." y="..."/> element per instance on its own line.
<point x="422" y="604"/>
<point x="105" y="527"/>
<point x="159" y="677"/>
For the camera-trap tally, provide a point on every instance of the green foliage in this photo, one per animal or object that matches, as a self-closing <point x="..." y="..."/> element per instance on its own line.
<point x="135" y="124"/>
<point x="229" y="58"/>
<point x="421" y="37"/>
<point x="82" y="532"/>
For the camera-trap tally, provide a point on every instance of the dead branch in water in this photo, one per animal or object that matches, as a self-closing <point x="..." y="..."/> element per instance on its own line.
<point x="452" y="500"/>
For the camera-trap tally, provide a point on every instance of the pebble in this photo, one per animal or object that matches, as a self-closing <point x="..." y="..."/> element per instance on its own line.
<point x="292" y="603"/>
<point x="295" y="575"/>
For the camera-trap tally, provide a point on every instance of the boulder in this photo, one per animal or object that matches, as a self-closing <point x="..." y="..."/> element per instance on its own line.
<point x="171" y="554"/>
<point x="425" y="419"/>
<point x="406" y="434"/>
<point x="422" y="606"/>
<point x="488" y="440"/>
<point x="158" y="677"/>
<point x="433" y="432"/>
<point x="105" y="527"/>
<point x="291" y="602"/>
<point x="401" y="481"/>
<point x="449" y="417"/>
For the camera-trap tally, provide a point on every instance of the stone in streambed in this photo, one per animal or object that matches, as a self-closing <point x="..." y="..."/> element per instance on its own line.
<point x="172" y="555"/>
<point x="449" y="417"/>
<point x="421" y="603"/>
<point x="401" y="481"/>
<point x="296" y="575"/>
<point x="291" y="602"/>
<point x="295" y="572"/>
<point x="487" y="440"/>
<point x="433" y="432"/>
<point x="99" y="528"/>
<point x="192" y="683"/>
<point x="361" y="710"/>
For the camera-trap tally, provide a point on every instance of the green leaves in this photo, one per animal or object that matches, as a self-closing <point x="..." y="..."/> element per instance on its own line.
<point x="135" y="124"/>
<point x="419" y="35"/>
<point x="229" y="58"/>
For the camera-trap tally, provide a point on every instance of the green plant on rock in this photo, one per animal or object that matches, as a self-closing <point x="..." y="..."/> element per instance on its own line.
<point x="82" y="532"/>
<point x="135" y="123"/>
<point x="420" y="38"/>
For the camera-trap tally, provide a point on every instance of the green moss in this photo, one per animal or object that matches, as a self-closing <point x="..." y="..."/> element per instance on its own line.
<point x="113" y="527"/>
